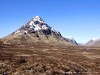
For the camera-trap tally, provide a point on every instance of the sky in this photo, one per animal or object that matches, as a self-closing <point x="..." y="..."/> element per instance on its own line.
<point x="79" y="19"/>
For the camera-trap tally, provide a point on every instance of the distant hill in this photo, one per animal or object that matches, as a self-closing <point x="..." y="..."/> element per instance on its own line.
<point x="93" y="42"/>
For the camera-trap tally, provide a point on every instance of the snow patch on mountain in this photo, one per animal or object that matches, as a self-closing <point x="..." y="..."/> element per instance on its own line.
<point x="37" y="23"/>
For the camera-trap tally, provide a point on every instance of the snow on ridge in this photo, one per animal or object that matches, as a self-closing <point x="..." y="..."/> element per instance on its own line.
<point x="37" y="18"/>
<point x="71" y="38"/>
<point x="18" y="31"/>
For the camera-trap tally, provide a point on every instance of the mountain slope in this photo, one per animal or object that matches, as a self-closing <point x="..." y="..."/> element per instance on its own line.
<point x="93" y="42"/>
<point x="35" y="31"/>
<point x="72" y="40"/>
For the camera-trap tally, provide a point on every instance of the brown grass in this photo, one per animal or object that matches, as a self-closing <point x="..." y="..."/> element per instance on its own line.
<point x="44" y="59"/>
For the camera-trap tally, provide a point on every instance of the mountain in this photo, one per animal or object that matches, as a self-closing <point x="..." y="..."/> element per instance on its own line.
<point x="36" y="31"/>
<point x="93" y="42"/>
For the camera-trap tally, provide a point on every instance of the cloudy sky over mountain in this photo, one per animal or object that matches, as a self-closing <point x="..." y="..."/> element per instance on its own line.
<point x="79" y="19"/>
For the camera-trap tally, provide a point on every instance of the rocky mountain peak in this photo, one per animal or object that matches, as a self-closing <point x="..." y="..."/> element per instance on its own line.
<point x="37" y="25"/>
<point x="37" y="30"/>
<point x="38" y="18"/>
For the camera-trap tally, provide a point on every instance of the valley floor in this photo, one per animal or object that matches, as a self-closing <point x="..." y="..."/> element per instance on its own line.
<point x="49" y="60"/>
